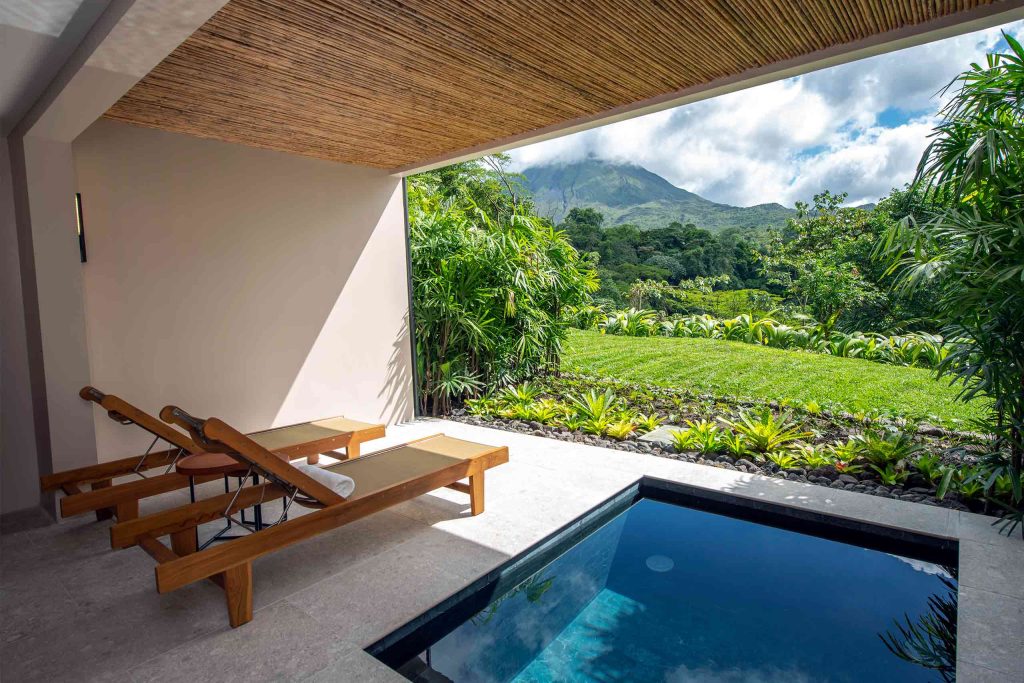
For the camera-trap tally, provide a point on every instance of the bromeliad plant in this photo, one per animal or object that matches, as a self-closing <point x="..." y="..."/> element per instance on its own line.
<point x="881" y="448"/>
<point x="595" y="405"/>
<point x="765" y="432"/>
<point x="704" y="436"/>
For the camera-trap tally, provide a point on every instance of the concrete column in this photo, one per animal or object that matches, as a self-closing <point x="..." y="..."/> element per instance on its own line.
<point x="18" y="453"/>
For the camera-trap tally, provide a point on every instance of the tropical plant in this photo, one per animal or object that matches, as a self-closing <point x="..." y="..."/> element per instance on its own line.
<point x="883" y="447"/>
<point x="930" y="466"/>
<point x="595" y="425"/>
<point x="969" y="247"/>
<point x="910" y="348"/>
<point x="733" y="443"/>
<point x="493" y="284"/>
<point x="647" y="423"/>
<point x="595" y="405"/>
<point x="845" y="457"/>
<point x="545" y="411"/>
<point x="620" y="430"/>
<point x="521" y="394"/>
<point x="891" y="474"/>
<point x="813" y="457"/>
<point x="704" y="436"/>
<point x="784" y="460"/>
<point x="766" y="432"/>
<point x="681" y="439"/>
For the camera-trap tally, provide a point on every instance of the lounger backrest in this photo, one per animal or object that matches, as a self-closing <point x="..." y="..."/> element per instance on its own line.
<point x="125" y="413"/>
<point x="216" y="436"/>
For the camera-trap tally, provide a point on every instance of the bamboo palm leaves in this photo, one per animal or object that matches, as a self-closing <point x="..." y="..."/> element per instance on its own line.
<point x="492" y="289"/>
<point x="974" y="246"/>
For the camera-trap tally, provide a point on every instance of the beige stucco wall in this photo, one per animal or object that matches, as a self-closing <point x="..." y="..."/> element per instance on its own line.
<point x="255" y="286"/>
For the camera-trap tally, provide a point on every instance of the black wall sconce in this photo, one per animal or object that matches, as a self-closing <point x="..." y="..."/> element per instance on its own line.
<point x="81" y="226"/>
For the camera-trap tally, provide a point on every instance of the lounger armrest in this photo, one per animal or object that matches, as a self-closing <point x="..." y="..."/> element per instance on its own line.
<point x="193" y="425"/>
<point x="92" y="394"/>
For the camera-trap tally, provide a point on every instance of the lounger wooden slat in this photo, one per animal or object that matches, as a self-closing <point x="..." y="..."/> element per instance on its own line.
<point x="382" y="479"/>
<point x="192" y="568"/>
<point x="126" y="534"/>
<point x="253" y="453"/>
<point x="322" y="435"/>
<point x="107" y="470"/>
<point x="109" y="496"/>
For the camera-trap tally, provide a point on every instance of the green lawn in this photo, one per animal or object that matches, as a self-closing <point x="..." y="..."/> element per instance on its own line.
<point x="749" y="371"/>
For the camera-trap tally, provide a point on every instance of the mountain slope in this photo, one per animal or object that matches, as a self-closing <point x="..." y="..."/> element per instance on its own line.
<point x="631" y="194"/>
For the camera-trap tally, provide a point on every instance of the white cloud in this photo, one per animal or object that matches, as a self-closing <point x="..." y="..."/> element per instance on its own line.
<point x="787" y="140"/>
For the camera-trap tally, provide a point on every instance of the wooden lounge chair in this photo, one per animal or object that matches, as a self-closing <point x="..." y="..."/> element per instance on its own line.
<point x="308" y="440"/>
<point x="382" y="479"/>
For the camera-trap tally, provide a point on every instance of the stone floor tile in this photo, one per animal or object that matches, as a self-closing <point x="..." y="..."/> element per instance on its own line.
<point x="988" y="631"/>
<point x="282" y="643"/>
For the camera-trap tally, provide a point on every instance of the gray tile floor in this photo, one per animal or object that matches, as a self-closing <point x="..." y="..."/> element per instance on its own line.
<point x="74" y="609"/>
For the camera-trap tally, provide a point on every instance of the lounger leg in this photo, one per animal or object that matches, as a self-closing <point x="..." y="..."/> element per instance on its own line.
<point x="352" y="449"/>
<point x="184" y="542"/>
<point x="313" y="459"/>
<point x="105" y="513"/>
<point x="476" y="493"/>
<point x="128" y="509"/>
<point x="238" y="590"/>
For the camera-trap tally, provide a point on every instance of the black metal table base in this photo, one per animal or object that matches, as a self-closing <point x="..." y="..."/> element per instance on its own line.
<point x="257" y="513"/>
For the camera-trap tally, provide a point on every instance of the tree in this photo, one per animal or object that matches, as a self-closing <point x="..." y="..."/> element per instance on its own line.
<point x="493" y="284"/>
<point x="814" y="258"/>
<point x="969" y="245"/>
<point x="583" y="227"/>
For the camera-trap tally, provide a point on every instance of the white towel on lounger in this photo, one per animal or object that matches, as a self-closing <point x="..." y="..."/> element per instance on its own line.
<point x="339" y="483"/>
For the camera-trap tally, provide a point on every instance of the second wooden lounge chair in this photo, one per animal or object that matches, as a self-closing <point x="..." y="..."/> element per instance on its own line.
<point x="306" y="440"/>
<point x="382" y="479"/>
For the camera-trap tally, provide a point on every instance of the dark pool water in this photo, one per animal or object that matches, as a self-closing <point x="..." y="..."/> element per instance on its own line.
<point x="667" y="593"/>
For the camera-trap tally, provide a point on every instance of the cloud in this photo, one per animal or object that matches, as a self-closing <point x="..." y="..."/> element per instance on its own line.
<point x="858" y="128"/>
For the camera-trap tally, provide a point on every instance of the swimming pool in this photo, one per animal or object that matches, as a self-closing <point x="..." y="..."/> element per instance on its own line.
<point x="663" y="592"/>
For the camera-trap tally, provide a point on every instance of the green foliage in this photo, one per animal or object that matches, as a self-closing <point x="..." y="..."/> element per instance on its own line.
<point x="823" y="260"/>
<point x="845" y="456"/>
<point x="784" y="460"/>
<point x="704" y="436"/>
<point x="493" y="285"/>
<point x="916" y="349"/>
<point x="520" y="394"/>
<point x="930" y="466"/>
<point x="681" y="439"/>
<point x="647" y="423"/>
<point x="968" y="248"/>
<point x="733" y="443"/>
<point x="766" y="432"/>
<point x="891" y="474"/>
<point x="886" y="447"/>
<point x="812" y="456"/>
<point x="620" y="430"/>
<point x="595" y="405"/>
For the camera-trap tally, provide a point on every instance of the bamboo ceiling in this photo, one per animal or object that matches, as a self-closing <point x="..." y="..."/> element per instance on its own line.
<point x="394" y="83"/>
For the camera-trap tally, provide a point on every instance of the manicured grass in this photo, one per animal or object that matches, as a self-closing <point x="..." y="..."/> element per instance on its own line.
<point x="745" y="370"/>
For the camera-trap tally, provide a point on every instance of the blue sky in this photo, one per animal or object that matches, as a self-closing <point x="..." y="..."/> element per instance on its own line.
<point x="858" y="128"/>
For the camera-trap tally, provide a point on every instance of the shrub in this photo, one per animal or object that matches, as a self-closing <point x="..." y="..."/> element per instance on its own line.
<point x="765" y="432"/>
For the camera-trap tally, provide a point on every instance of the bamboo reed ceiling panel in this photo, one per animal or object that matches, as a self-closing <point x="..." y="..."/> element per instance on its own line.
<point x="390" y="83"/>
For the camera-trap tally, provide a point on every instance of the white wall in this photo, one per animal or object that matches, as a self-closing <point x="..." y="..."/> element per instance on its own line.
<point x="251" y="285"/>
